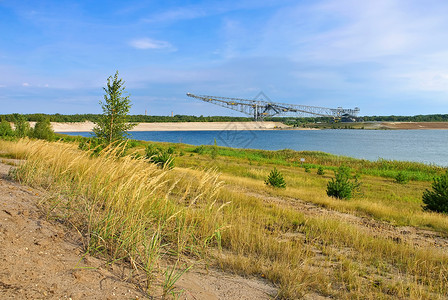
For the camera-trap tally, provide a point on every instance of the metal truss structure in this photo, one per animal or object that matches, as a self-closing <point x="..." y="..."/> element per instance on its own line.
<point x="260" y="109"/>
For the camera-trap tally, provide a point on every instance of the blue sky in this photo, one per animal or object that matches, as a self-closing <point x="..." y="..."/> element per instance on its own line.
<point x="384" y="56"/>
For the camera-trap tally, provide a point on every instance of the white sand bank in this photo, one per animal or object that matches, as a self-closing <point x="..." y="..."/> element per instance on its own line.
<point x="177" y="126"/>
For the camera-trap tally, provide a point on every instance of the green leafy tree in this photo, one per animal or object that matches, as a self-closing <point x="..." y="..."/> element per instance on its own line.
<point x="275" y="179"/>
<point x="5" y="129"/>
<point x="22" y="126"/>
<point x="342" y="186"/>
<point x="437" y="198"/>
<point x="113" y="124"/>
<point x="42" y="130"/>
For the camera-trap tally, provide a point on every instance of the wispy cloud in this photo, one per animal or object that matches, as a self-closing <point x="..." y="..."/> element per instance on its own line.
<point x="178" y="14"/>
<point x="148" y="43"/>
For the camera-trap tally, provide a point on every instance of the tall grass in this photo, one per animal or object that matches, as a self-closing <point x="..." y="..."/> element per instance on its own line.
<point x="314" y="159"/>
<point x="126" y="209"/>
<point x="133" y="211"/>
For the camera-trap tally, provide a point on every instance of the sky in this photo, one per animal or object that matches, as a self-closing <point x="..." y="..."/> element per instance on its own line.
<point x="387" y="57"/>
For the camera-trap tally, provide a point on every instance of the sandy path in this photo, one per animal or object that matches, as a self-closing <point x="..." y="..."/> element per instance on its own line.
<point x="44" y="260"/>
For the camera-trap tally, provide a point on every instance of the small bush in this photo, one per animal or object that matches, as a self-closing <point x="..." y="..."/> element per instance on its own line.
<point x="159" y="157"/>
<point x="437" y="198"/>
<point x="342" y="186"/>
<point x="5" y="129"/>
<point x="214" y="152"/>
<point x="94" y="144"/>
<point x="307" y="169"/>
<point x="401" y="178"/>
<point x="320" y="171"/>
<point x="170" y="150"/>
<point x="42" y="130"/>
<point x="133" y="144"/>
<point x="163" y="159"/>
<point x="199" y="150"/>
<point x="22" y="127"/>
<point x="275" y="179"/>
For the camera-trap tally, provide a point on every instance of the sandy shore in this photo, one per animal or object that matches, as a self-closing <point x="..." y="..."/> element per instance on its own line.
<point x="415" y="125"/>
<point x="220" y="126"/>
<point x="178" y="126"/>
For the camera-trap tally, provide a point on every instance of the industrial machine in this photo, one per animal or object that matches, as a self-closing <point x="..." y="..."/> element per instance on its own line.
<point x="260" y="109"/>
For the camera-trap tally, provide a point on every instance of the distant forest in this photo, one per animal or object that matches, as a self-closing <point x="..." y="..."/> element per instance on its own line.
<point x="184" y="118"/>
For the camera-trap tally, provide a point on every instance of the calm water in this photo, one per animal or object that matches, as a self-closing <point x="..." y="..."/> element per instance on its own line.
<point x="428" y="146"/>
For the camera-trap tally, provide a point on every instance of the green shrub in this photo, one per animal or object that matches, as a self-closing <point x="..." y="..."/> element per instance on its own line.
<point x="401" y="178"/>
<point x="5" y="129"/>
<point x="170" y="150"/>
<point x="42" y="130"/>
<point x="163" y="159"/>
<point x="214" y="152"/>
<point x="307" y="169"/>
<point x="437" y="198"/>
<point x="199" y="150"/>
<point x="22" y="126"/>
<point x="152" y="150"/>
<point x="275" y="179"/>
<point x="159" y="157"/>
<point x="133" y="143"/>
<point x="320" y="171"/>
<point x="94" y="144"/>
<point x="342" y="186"/>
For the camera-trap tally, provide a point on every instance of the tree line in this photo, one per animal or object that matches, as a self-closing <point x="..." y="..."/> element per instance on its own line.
<point x="185" y="118"/>
<point x="417" y="118"/>
<point x="132" y="118"/>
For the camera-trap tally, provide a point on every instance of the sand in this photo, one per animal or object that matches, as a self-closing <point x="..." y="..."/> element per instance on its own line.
<point x="415" y="125"/>
<point x="41" y="258"/>
<point x="176" y="126"/>
<point x="231" y="126"/>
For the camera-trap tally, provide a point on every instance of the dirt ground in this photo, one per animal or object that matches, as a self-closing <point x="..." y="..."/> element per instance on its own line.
<point x="40" y="259"/>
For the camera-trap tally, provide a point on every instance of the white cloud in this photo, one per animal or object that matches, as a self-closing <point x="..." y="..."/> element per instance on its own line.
<point x="425" y="80"/>
<point x="148" y="43"/>
<point x="25" y="84"/>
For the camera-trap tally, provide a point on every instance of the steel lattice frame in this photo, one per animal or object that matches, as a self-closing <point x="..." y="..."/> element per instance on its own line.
<point x="260" y="109"/>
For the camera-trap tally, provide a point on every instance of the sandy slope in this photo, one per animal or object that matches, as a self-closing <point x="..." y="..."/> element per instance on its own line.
<point x="42" y="259"/>
<point x="176" y="126"/>
<point x="415" y="125"/>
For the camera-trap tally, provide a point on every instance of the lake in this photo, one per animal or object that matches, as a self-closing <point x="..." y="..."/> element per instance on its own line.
<point x="427" y="146"/>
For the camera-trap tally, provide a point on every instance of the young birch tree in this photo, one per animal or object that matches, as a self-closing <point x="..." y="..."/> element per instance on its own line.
<point x="113" y="124"/>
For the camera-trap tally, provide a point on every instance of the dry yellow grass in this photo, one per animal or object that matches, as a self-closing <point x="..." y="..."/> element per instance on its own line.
<point x="131" y="210"/>
<point x="127" y="209"/>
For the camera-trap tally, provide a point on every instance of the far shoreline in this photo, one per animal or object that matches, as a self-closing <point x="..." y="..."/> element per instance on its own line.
<point x="180" y="126"/>
<point x="88" y="126"/>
